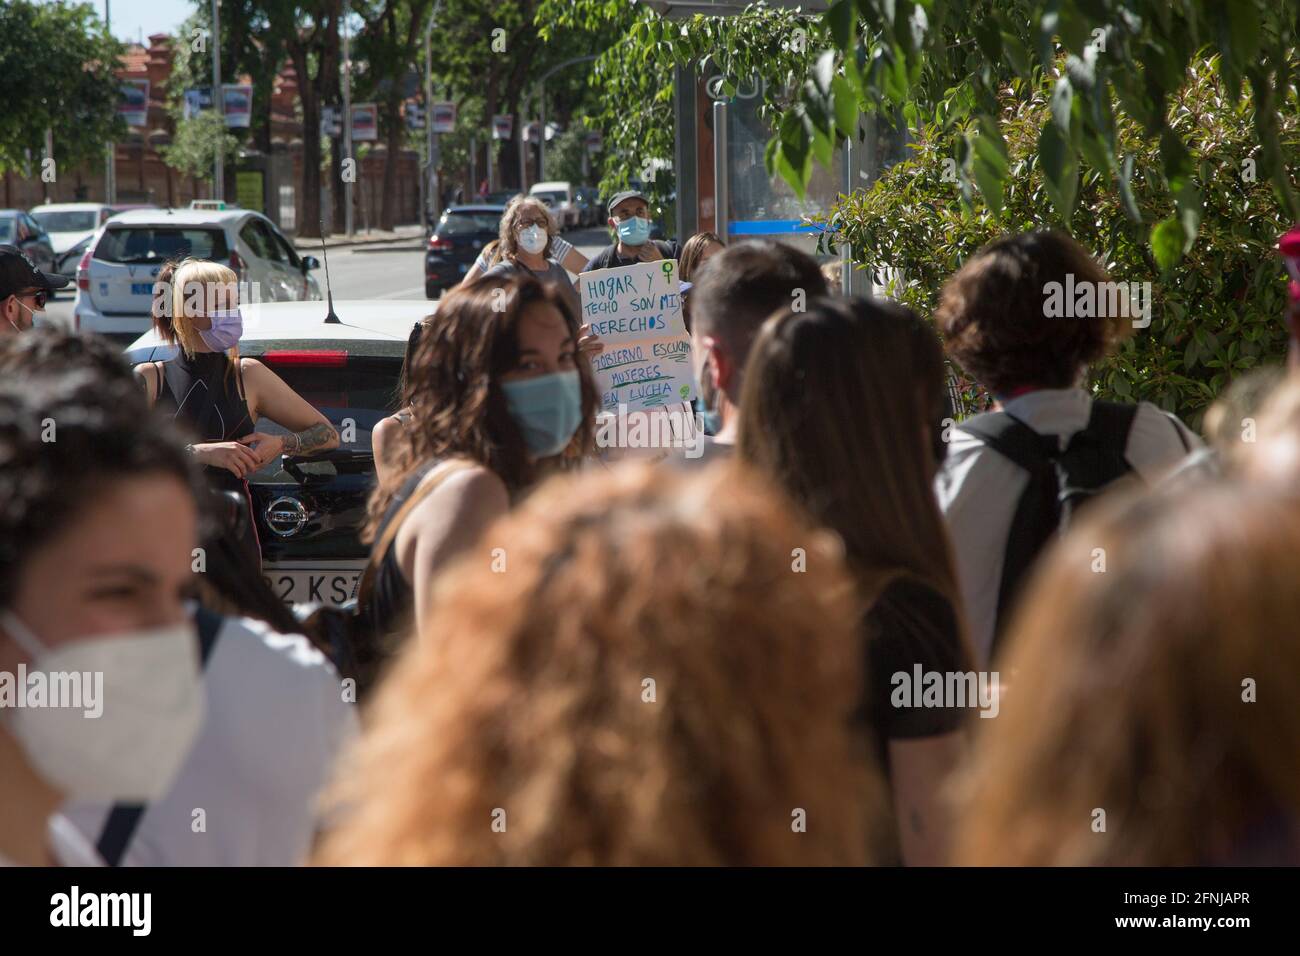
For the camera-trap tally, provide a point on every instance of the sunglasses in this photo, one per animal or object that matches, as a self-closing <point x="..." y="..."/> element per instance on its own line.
<point x="39" y="296"/>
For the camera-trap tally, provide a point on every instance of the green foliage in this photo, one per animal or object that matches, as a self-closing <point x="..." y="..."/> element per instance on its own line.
<point x="56" y="67"/>
<point x="194" y="147"/>
<point x="564" y="156"/>
<point x="634" y="75"/>
<point x="1217" y="310"/>
<point x="944" y="62"/>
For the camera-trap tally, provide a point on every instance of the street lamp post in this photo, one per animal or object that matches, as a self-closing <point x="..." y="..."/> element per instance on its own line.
<point x="347" y="118"/>
<point x="110" y="153"/>
<point x="541" y="88"/>
<point x="433" y="152"/>
<point x="218" y="163"/>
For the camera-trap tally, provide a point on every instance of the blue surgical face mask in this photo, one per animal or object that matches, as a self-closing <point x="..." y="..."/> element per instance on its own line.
<point x="227" y="329"/>
<point x="634" y="231"/>
<point x="547" y="409"/>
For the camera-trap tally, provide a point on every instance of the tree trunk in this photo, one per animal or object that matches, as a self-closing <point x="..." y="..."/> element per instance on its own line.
<point x="309" y="97"/>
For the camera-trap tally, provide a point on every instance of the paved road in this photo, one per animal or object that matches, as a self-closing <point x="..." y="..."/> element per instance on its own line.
<point x="392" y="270"/>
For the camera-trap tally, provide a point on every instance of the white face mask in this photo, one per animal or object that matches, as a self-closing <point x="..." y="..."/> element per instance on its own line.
<point x="150" y="701"/>
<point x="533" y="239"/>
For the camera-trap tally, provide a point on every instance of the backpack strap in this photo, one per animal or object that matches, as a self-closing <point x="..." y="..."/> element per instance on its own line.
<point x="428" y="484"/>
<point x="124" y="819"/>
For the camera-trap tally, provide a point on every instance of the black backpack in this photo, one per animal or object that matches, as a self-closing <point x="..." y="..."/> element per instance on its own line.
<point x="1061" y="481"/>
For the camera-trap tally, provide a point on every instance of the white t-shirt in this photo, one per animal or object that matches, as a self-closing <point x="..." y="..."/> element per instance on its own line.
<point x="979" y="490"/>
<point x="276" y="722"/>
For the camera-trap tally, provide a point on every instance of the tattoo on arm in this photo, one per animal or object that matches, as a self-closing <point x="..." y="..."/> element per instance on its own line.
<point x="314" y="439"/>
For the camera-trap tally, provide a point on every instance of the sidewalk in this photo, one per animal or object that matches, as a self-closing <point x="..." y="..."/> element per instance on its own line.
<point x="306" y="245"/>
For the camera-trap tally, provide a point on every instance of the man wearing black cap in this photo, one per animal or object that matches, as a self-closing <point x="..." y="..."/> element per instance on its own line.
<point x="23" y="290"/>
<point x="629" y="216"/>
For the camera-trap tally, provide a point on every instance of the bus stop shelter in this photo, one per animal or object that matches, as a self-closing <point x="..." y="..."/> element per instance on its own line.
<point x="722" y="184"/>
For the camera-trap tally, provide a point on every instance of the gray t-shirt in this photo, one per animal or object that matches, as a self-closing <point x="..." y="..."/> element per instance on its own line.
<point x="554" y="276"/>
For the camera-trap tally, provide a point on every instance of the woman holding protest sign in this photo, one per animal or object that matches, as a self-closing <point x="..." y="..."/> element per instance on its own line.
<point x="499" y="396"/>
<point x="528" y="233"/>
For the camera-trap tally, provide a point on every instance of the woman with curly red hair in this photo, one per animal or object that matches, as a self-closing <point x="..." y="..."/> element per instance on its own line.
<point x="633" y="668"/>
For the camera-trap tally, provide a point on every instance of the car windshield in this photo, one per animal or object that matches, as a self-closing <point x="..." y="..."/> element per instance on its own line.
<point x="156" y="244"/>
<point x="552" y="197"/>
<point x="6" y="228"/>
<point x="80" y="220"/>
<point x="469" y="224"/>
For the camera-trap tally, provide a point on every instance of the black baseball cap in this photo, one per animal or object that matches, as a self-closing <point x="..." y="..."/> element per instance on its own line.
<point x="625" y="194"/>
<point x="17" y="274"/>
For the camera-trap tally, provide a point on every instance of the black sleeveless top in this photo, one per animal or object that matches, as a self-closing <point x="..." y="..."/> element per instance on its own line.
<point x="392" y="599"/>
<point x="203" y="394"/>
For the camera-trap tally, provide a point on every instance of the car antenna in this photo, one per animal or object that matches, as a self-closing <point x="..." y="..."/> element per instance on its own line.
<point x="330" y="317"/>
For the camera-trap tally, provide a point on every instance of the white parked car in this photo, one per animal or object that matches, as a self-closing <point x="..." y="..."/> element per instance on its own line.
<point x="70" y="226"/>
<point x="116" y="273"/>
<point x="559" y="198"/>
<point x="309" y="511"/>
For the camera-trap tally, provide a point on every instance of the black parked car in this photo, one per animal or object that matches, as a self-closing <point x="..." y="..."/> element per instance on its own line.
<point x="461" y="235"/>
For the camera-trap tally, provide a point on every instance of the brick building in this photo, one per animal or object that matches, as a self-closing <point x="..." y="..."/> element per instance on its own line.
<point x="143" y="177"/>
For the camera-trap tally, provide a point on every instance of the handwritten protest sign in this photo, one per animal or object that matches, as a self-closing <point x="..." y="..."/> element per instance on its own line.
<point x="637" y="311"/>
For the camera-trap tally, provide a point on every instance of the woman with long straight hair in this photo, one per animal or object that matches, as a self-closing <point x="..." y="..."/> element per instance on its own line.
<point x="840" y="407"/>
<point x="499" y="397"/>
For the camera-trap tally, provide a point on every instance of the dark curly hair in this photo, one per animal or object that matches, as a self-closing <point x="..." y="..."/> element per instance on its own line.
<point x="51" y="351"/>
<point x="992" y="314"/>
<point x="101" y="433"/>
<point x="458" y="407"/>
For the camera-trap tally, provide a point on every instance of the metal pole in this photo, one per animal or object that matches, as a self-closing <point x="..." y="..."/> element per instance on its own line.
<point x="541" y="138"/>
<point x="218" y="100"/>
<point x="523" y="147"/>
<point x="110" y="153"/>
<point x="347" y="119"/>
<point x="434" y="153"/>
<point x="721" y="203"/>
<point x="473" y="166"/>
<point x="491" y="148"/>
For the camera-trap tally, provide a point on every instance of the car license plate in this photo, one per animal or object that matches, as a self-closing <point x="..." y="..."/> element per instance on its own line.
<point x="141" y="288"/>
<point x="303" y="585"/>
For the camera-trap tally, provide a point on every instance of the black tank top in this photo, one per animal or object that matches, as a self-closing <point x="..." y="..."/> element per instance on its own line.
<point x="392" y="598"/>
<point x="203" y="393"/>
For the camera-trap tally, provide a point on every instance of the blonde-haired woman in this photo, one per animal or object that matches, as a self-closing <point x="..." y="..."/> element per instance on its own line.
<point x="214" y="393"/>
<point x="528" y="234"/>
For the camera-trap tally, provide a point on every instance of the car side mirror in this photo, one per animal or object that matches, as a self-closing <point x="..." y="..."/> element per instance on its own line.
<point x="309" y="263"/>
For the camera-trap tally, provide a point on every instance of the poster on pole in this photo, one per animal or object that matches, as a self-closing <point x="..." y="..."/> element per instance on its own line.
<point x="503" y="126"/>
<point x="444" y="117"/>
<point x="592" y="141"/>
<point x="637" y="312"/>
<point x="365" y="123"/>
<point x="237" y="104"/>
<point x="133" y="107"/>
<point x="197" y="100"/>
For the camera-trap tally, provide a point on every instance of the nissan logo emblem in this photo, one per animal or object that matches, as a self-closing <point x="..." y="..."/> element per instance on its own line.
<point x="286" y="516"/>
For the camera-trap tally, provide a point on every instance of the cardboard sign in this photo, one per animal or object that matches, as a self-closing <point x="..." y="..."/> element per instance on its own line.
<point x="637" y="311"/>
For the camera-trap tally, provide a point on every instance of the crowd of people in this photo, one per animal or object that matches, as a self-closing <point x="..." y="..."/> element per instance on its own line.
<point x="854" y="631"/>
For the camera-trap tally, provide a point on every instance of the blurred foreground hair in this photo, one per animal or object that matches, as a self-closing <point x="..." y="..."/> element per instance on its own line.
<point x="648" y="680"/>
<point x="1131" y="692"/>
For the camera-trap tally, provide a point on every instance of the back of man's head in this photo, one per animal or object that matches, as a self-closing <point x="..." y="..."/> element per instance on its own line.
<point x="744" y="284"/>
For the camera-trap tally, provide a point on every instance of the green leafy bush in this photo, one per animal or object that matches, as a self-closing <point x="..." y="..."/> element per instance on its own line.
<point x="1216" y="312"/>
